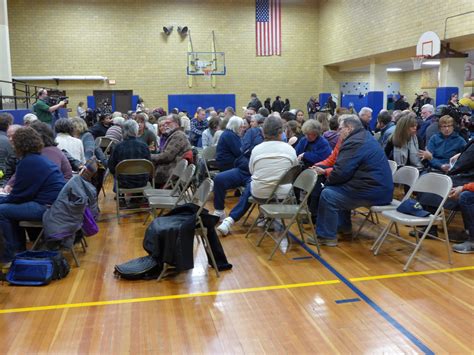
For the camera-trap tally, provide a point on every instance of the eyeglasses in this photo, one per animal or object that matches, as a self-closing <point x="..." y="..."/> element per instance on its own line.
<point x="447" y="126"/>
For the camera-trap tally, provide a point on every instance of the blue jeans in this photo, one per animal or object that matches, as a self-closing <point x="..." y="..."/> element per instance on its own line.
<point x="10" y="215"/>
<point x="334" y="212"/>
<point x="466" y="203"/>
<point x="231" y="179"/>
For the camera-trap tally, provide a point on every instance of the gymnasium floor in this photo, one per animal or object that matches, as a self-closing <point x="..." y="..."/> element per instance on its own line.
<point x="346" y="301"/>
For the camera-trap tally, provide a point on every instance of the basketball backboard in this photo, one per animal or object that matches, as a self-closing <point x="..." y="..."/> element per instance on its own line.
<point x="428" y="45"/>
<point x="201" y="63"/>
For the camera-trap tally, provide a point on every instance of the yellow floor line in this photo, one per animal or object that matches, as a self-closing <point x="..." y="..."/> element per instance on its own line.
<point x="226" y="292"/>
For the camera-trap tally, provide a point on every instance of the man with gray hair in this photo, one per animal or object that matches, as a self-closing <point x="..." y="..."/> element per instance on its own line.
<point x="269" y="160"/>
<point x="361" y="177"/>
<point x="130" y="148"/>
<point x="365" y="115"/>
<point x="427" y="118"/>
<point x="29" y="118"/>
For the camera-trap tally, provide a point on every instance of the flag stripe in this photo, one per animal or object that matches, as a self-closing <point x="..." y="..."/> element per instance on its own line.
<point x="268" y="27"/>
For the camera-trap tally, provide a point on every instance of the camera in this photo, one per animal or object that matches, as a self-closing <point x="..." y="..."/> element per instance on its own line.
<point x="54" y="100"/>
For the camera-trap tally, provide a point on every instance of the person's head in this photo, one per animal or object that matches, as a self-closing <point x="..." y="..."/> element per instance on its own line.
<point x="365" y="114"/>
<point x="312" y="130"/>
<point x="446" y="125"/>
<point x="272" y="128"/>
<point x="454" y="98"/>
<point x="334" y="123"/>
<point x="46" y="133"/>
<point x="256" y="120"/>
<point x="11" y="131"/>
<point x="80" y="104"/>
<point x="267" y="100"/>
<point x="263" y="111"/>
<point x="42" y="94"/>
<point x="277" y="98"/>
<point x="347" y="124"/>
<point x="26" y="140"/>
<point x="171" y="123"/>
<point x="288" y="116"/>
<point x="396" y="115"/>
<point x="106" y="120"/>
<point x="130" y="129"/>
<point x="29" y="118"/>
<point x="79" y="126"/>
<point x="212" y="113"/>
<point x="201" y="114"/>
<point x="6" y="120"/>
<point x="214" y="123"/>
<point x="248" y="113"/>
<point x="405" y="129"/>
<point x="383" y="119"/>
<point x="141" y="119"/>
<point x="253" y="95"/>
<point x="116" y="114"/>
<point x="330" y="99"/>
<point x="118" y="121"/>
<point x="293" y="129"/>
<point x="426" y="111"/>
<point x="425" y="94"/>
<point x="235" y="124"/>
<point x="229" y="112"/>
<point x="323" y="119"/>
<point x="300" y="116"/>
<point x="64" y="125"/>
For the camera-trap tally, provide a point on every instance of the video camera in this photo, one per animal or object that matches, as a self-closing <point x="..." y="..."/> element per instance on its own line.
<point x="54" y="100"/>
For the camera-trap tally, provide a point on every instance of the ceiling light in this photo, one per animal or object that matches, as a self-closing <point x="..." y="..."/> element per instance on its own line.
<point x="431" y="62"/>
<point x="394" y="69"/>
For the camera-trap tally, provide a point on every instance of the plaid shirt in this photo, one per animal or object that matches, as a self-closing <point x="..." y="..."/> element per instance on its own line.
<point x="197" y="127"/>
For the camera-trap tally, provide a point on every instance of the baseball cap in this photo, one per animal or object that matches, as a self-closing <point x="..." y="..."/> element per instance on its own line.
<point x="413" y="208"/>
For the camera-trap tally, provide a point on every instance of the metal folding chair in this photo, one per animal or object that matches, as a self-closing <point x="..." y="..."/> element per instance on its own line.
<point x="208" y="154"/>
<point x="106" y="144"/>
<point x="429" y="183"/>
<point x="133" y="167"/>
<point x="174" y="182"/>
<point x="294" y="213"/>
<point x="393" y="166"/>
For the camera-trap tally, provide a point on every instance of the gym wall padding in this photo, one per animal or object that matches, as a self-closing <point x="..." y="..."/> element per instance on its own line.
<point x="191" y="102"/>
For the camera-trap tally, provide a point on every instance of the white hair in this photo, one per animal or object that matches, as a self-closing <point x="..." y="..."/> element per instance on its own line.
<point x="116" y="114"/>
<point x="234" y="124"/>
<point x="29" y="117"/>
<point x="429" y="107"/>
<point x="364" y="110"/>
<point x="130" y="128"/>
<point x="119" y="120"/>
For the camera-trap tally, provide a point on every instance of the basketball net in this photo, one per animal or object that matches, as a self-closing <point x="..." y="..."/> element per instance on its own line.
<point x="417" y="61"/>
<point x="207" y="73"/>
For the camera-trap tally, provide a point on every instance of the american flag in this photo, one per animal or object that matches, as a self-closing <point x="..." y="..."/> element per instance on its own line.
<point x="268" y="27"/>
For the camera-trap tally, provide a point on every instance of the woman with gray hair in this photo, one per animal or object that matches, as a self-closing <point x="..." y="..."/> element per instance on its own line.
<point x="312" y="148"/>
<point x="67" y="142"/>
<point x="29" y="118"/>
<point x="90" y="150"/>
<point x="115" y="131"/>
<point x="228" y="147"/>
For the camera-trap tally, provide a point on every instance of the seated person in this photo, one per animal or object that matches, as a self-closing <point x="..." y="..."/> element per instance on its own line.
<point x="332" y="135"/>
<point x="312" y="147"/>
<point x="361" y="177"/>
<point x="101" y="127"/>
<point x="130" y="148"/>
<point x="115" y="131"/>
<point x="6" y="149"/>
<point x="465" y="195"/>
<point x="268" y="162"/>
<point x="228" y="147"/>
<point x="210" y="131"/>
<point x="175" y="148"/>
<point x="67" y="142"/>
<point x="145" y="134"/>
<point x="38" y="183"/>
<point x="442" y="146"/>
<point x="427" y="118"/>
<point x="293" y="133"/>
<point x="198" y="125"/>
<point x="385" y="126"/>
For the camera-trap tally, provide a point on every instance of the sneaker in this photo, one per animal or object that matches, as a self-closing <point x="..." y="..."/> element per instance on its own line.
<point x="220" y="213"/>
<point x="225" y="226"/>
<point x="464" y="248"/>
<point x="329" y="242"/>
<point x="261" y="222"/>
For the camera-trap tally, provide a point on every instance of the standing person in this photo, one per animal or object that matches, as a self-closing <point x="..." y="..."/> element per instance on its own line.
<point x="365" y="115"/>
<point x="254" y="102"/>
<point x="140" y="105"/>
<point x="331" y="105"/>
<point x="277" y="105"/>
<point x="42" y="110"/>
<point x="198" y="125"/>
<point x="312" y="106"/>
<point x="401" y="104"/>
<point x="286" y="106"/>
<point x="81" y="112"/>
<point x="268" y="105"/>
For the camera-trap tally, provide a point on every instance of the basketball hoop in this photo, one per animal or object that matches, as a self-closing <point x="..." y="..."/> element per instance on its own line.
<point x="207" y="72"/>
<point x="417" y="61"/>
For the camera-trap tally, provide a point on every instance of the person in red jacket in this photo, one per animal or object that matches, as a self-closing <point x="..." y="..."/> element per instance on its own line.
<point x="465" y="194"/>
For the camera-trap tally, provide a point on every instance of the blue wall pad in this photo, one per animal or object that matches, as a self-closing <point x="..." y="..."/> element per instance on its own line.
<point x="356" y="101"/>
<point x="134" y="102"/>
<point x="443" y="94"/>
<point x="191" y="102"/>
<point x="323" y="98"/>
<point x="18" y="114"/>
<point x="375" y="102"/>
<point x="91" y="102"/>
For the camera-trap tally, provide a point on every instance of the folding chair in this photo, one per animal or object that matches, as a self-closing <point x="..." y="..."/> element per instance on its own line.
<point x="294" y="213"/>
<point x="208" y="154"/>
<point x="200" y="197"/>
<point x="133" y="167"/>
<point x="161" y="203"/>
<point x="287" y="178"/>
<point x="106" y="144"/>
<point x="393" y="166"/>
<point x="172" y="184"/>
<point x="407" y="176"/>
<point x="40" y="238"/>
<point x="429" y="183"/>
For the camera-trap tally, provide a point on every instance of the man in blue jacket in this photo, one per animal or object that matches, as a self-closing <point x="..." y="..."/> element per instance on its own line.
<point x="361" y="177"/>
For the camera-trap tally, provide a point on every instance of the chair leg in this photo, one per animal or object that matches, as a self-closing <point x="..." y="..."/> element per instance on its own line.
<point x="282" y="236"/>
<point x="163" y="272"/>
<point x="418" y="245"/>
<point x="83" y="244"/>
<point x="249" y="213"/>
<point x="362" y="225"/>
<point x="381" y="239"/>
<point x="38" y="240"/>
<point x="254" y="223"/>
<point x="267" y="225"/>
<point x="73" y="252"/>
<point x="205" y="242"/>
<point x="448" y="247"/>
<point x="117" y="206"/>
<point x="315" y="237"/>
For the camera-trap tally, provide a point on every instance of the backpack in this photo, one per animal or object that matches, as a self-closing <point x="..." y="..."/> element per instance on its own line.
<point x="37" y="268"/>
<point x="143" y="268"/>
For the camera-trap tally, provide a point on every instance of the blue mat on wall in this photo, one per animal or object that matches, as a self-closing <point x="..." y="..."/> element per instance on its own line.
<point x="190" y="103"/>
<point x="18" y="114"/>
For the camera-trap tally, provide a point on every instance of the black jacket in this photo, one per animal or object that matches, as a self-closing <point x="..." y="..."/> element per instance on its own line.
<point x="463" y="170"/>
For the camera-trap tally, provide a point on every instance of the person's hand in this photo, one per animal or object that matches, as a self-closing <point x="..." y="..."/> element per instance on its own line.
<point x="7" y="189"/>
<point x="425" y="154"/>
<point x="318" y="170"/>
<point x="292" y="140"/>
<point x="445" y="167"/>
<point x="62" y="103"/>
<point x="455" y="192"/>
<point x="300" y="157"/>
<point x="454" y="159"/>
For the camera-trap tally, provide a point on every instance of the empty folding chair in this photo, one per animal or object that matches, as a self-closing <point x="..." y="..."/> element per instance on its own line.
<point x="393" y="166"/>
<point x="208" y="155"/>
<point x="429" y="183"/>
<point x="293" y="213"/>
<point x="173" y="184"/>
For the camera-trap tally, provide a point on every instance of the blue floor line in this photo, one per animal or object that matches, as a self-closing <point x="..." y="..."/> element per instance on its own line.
<point x="348" y="300"/>
<point x="365" y="298"/>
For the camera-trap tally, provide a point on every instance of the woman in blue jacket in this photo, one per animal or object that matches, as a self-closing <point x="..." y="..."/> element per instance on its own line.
<point x="38" y="183"/>
<point x="444" y="145"/>
<point x="312" y="148"/>
<point x="228" y="147"/>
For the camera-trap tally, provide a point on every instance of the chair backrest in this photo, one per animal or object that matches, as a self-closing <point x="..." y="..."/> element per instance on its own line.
<point x="306" y="181"/>
<point x="177" y="172"/>
<point x="393" y="166"/>
<point x="287" y="178"/>
<point x="135" y="167"/>
<point x="209" y="153"/>
<point x="201" y="195"/>
<point x="105" y="143"/>
<point x="406" y="175"/>
<point x="434" y="183"/>
<point x="185" y="181"/>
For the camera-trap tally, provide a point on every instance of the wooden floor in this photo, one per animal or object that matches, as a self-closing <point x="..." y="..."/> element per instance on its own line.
<point x="348" y="301"/>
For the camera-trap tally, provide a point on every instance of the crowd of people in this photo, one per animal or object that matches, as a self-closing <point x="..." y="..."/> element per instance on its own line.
<point x="347" y="151"/>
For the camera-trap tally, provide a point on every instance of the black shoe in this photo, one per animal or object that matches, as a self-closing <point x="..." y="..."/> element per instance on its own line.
<point x="458" y="237"/>
<point x="433" y="231"/>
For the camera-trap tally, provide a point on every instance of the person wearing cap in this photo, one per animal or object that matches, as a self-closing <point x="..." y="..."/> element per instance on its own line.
<point x="465" y="195"/>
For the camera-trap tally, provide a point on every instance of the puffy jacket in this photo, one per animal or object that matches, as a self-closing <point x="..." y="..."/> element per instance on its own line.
<point x="252" y="137"/>
<point x="228" y="149"/>
<point x="443" y="148"/>
<point x="362" y="169"/>
<point x="313" y="151"/>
